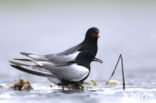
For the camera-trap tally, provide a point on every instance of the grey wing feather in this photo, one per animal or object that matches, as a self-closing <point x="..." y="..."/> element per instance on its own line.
<point x="57" y="63"/>
<point x="62" y="57"/>
<point x="34" y="56"/>
<point x="35" y="72"/>
<point x="54" y="58"/>
<point x="71" y="50"/>
<point x="57" y="60"/>
<point x="65" y="71"/>
<point x="26" y="65"/>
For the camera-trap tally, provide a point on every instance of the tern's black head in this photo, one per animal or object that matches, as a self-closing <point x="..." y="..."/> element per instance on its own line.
<point x="92" y="34"/>
<point x="91" y="39"/>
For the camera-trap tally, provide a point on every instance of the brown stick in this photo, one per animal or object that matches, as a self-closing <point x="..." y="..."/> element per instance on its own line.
<point x="123" y="75"/>
<point x="115" y="68"/>
<point x="122" y="67"/>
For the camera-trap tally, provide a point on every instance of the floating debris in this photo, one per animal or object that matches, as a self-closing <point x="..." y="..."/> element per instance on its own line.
<point x="87" y="85"/>
<point x="94" y="83"/>
<point x="21" y="85"/>
<point x="112" y="82"/>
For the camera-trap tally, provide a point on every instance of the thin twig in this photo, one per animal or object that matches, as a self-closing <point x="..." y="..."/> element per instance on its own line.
<point x="122" y="67"/>
<point x="123" y="75"/>
<point x="115" y="68"/>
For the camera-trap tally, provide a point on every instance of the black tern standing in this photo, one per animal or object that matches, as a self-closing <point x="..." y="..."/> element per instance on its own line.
<point x="69" y="67"/>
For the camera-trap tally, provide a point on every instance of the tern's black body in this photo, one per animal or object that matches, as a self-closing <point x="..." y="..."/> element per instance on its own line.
<point x="68" y="67"/>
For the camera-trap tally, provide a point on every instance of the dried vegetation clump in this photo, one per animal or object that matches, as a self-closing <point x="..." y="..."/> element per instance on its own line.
<point x="21" y="85"/>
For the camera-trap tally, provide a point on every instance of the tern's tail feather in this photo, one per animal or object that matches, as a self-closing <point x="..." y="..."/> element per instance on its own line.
<point x="31" y="71"/>
<point x="26" y="60"/>
<point x="34" y="56"/>
<point x="29" y="66"/>
<point x="22" y="62"/>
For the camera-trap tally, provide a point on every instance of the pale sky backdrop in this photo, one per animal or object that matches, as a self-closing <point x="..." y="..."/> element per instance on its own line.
<point x="44" y="27"/>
